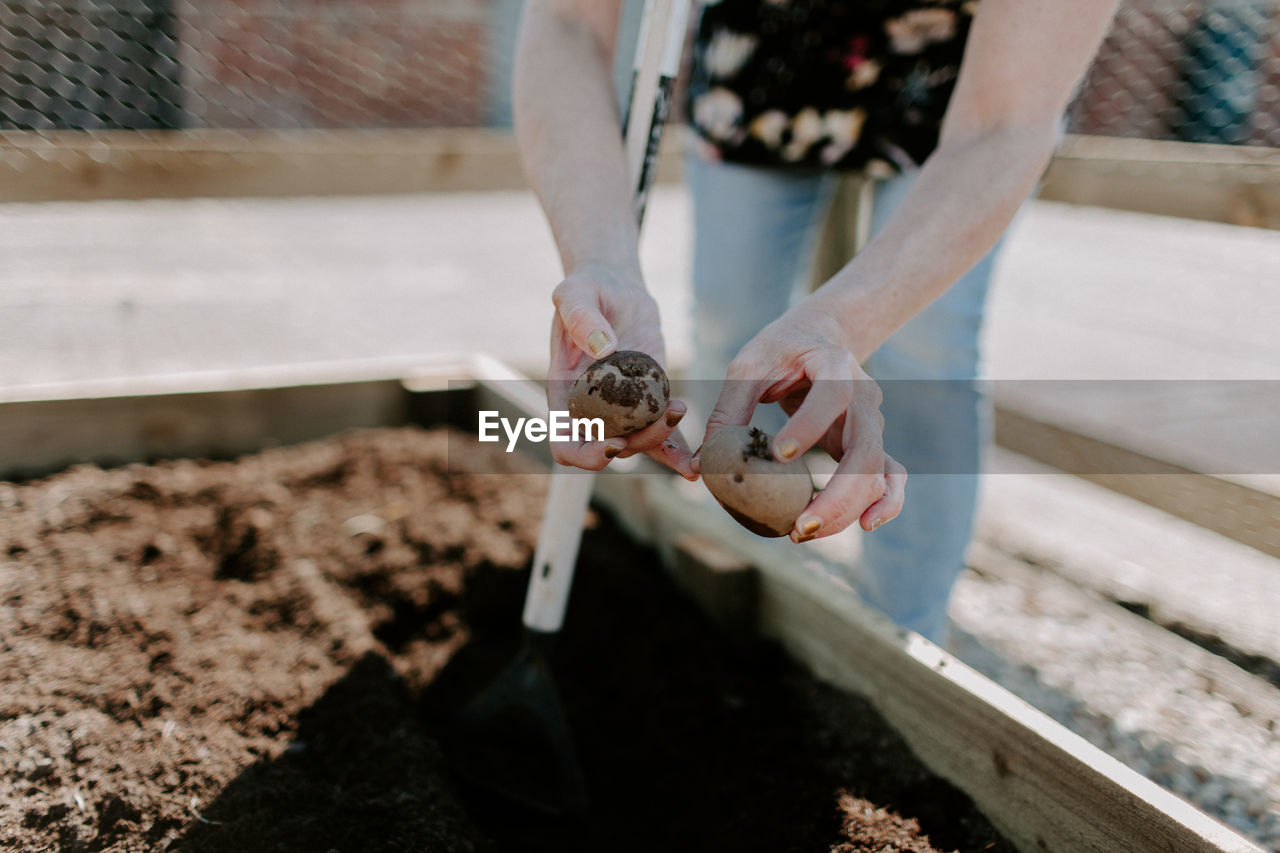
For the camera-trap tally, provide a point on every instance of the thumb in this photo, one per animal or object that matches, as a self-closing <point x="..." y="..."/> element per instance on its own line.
<point x="576" y="306"/>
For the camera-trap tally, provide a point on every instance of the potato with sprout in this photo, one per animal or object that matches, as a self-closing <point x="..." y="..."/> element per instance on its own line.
<point x="763" y="495"/>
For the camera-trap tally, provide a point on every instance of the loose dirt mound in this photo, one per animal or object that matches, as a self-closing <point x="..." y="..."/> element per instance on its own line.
<point x="264" y="655"/>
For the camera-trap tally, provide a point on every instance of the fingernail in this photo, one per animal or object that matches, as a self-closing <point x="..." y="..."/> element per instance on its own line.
<point x="597" y="342"/>
<point x="808" y="525"/>
<point x="877" y="523"/>
<point x="613" y="447"/>
<point x="788" y="448"/>
<point x="674" y="418"/>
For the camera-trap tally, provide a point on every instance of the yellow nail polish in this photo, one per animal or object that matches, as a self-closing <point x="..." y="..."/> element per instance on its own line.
<point x="597" y="342"/>
<point x="788" y="448"/>
<point x="809" y="525"/>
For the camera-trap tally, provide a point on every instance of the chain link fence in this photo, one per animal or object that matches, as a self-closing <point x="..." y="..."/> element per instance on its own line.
<point x="1204" y="71"/>
<point x="1198" y="72"/>
<point x="241" y="64"/>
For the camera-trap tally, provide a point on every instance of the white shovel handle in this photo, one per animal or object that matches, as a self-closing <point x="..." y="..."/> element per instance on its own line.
<point x="656" y="64"/>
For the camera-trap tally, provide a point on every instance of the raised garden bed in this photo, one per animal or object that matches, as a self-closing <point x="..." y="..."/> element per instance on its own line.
<point x="264" y="655"/>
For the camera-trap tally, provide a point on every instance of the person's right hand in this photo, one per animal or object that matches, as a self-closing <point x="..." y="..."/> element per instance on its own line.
<point x="600" y="310"/>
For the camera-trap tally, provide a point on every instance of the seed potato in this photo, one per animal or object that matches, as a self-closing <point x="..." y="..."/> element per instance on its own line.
<point x="763" y="495"/>
<point x="627" y="390"/>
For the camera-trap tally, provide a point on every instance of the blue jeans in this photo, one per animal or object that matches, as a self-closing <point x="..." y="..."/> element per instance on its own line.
<point x="756" y="231"/>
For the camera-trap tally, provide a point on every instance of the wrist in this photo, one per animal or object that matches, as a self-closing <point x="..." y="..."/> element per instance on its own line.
<point x="850" y="312"/>
<point x="622" y="275"/>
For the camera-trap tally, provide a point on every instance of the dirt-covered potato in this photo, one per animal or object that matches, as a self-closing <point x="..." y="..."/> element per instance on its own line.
<point x="763" y="495"/>
<point x="627" y="390"/>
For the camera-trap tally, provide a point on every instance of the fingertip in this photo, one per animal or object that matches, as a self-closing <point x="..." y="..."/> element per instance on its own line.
<point x="786" y="450"/>
<point x="600" y="343"/>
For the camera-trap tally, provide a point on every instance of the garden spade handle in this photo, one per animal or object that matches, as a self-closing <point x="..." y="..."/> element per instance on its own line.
<point x="662" y="31"/>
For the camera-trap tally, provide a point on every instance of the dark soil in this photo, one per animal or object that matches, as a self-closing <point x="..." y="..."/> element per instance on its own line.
<point x="266" y="655"/>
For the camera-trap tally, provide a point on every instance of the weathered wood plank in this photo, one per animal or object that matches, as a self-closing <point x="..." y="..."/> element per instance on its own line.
<point x="1231" y="508"/>
<point x="82" y="166"/>
<point x="1219" y="183"/>
<point x="217" y="413"/>
<point x="1043" y="786"/>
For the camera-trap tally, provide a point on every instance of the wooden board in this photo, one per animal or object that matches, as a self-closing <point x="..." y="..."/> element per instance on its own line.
<point x="1236" y="184"/>
<point x="84" y="166"/>
<point x="218" y="414"/>
<point x="1220" y="504"/>
<point x="1220" y="183"/>
<point x="1046" y="788"/>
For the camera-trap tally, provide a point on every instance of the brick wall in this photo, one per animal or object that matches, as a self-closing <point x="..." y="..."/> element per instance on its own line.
<point x="333" y="63"/>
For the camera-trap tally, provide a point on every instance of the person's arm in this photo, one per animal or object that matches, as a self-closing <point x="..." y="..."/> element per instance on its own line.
<point x="1022" y="61"/>
<point x="566" y="123"/>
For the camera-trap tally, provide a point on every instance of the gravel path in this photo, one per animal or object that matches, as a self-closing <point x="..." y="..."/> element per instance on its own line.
<point x="1169" y="709"/>
<point x="1178" y="573"/>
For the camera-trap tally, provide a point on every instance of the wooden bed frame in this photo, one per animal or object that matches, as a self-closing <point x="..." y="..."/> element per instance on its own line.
<point x="1044" y="787"/>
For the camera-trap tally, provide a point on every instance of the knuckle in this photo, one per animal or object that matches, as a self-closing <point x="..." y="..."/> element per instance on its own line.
<point x="876" y="487"/>
<point x="717" y="420"/>
<point x="833" y="511"/>
<point x="574" y="314"/>
<point x="875" y="394"/>
<point x="868" y="393"/>
<point x="646" y="306"/>
<point x="840" y="360"/>
<point x="738" y="369"/>
<point x="563" y="291"/>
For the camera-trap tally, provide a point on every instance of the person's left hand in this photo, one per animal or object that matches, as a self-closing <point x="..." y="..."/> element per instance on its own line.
<point x="802" y="362"/>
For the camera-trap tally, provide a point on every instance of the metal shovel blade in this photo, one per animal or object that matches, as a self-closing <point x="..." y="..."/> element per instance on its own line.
<point x="513" y="740"/>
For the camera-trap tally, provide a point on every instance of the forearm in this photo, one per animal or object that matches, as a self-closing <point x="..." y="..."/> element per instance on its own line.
<point x="957" y="208"/>
<point x="567" y="132"/>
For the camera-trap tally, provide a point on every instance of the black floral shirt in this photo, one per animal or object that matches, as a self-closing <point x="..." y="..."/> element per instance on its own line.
<point x="853" y="85"/>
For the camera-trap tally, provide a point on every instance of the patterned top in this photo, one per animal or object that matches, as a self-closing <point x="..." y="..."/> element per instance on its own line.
<point x="860" y="84"/>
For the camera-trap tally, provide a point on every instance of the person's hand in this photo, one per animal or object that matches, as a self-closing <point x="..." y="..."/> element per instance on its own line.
<point x="801" y="362"/>
<point x="599" y="311"/>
